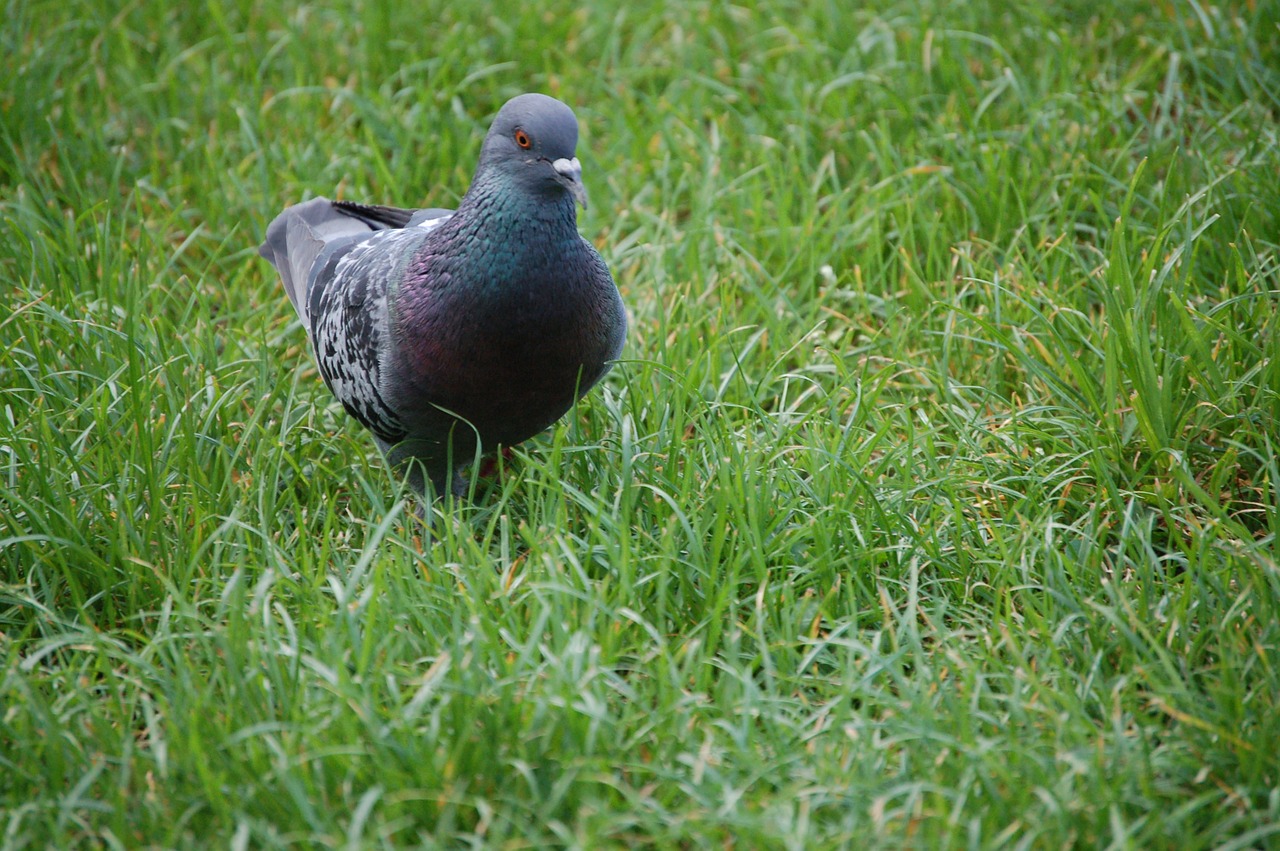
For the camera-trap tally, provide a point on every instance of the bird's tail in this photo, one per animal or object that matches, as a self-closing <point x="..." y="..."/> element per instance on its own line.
<point x="295" y="239"/>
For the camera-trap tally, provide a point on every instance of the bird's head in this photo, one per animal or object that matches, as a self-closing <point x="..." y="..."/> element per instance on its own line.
<point x="533" y="141"/>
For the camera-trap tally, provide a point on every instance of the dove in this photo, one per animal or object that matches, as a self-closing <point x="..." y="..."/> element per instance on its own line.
<point x="447" y="333"/>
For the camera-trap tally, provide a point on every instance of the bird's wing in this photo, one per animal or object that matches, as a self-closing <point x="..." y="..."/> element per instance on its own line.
<point x="337" y="267"/>
<point x="298" y="236"/>
<point x="349" y="321"/>
<point x="302" y="233"/>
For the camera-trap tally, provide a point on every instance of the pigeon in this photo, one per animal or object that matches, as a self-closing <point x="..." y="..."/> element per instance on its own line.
<point x="447" y="333"/>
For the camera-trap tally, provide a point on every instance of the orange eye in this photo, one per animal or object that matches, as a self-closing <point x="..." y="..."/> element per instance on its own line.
<point x="522" y="139"/>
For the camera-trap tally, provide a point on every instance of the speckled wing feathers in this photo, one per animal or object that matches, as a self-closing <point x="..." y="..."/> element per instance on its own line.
<point x="336" y="260"/>
<point x="349" y="327"/>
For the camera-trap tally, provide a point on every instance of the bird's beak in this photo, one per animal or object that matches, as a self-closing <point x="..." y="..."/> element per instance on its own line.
<point x="570" y="174"/>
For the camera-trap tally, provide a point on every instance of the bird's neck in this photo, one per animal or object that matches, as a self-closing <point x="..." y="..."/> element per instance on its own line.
<point x="506" y="248"/>
<point x="516" y="242"/>
<point x="505" y="206"/>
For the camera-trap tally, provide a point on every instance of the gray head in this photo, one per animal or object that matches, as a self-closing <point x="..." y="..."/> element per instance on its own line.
<point x="533" y="140"/>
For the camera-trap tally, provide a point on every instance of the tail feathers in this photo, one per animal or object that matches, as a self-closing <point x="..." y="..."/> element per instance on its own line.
<point x="295" y="239"/>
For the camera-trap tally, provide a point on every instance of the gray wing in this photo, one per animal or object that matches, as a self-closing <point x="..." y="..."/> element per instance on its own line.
<point x="297" y="237"/>
<point x="350" y="327"/>
<point x="338" y="270"/>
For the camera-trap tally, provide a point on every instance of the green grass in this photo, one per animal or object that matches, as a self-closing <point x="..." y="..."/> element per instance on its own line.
<point x="934" y="503"/>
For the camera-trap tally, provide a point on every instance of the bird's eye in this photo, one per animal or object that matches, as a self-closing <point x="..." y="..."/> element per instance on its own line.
<point x="522" y="139"/>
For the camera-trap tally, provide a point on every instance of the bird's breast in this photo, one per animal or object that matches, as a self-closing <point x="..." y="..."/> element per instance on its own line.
<point x="511" y="359"/>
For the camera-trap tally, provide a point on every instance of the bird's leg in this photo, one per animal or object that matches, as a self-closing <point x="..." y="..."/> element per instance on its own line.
<point x="458" y="484"/>
<point x="423" y="499"/>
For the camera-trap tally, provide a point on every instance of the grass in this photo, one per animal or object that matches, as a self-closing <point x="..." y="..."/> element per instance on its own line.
<point x="934" y="503"/>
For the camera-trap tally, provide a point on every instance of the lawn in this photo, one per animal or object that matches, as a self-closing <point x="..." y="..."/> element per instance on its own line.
<point x="934" y="502"/>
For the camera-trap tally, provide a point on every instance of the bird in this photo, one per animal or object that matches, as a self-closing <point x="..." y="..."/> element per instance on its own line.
<point x="447" y="333"/>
